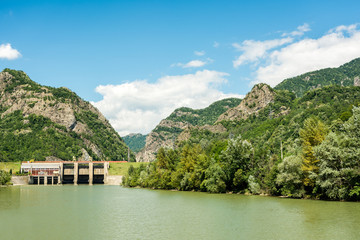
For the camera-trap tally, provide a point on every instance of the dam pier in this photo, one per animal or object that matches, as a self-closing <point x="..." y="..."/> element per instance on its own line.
<point x="66" y="172"/>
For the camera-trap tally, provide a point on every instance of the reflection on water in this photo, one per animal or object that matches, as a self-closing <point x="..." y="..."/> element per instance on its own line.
<point x="9" y="197"/>
<point x="112" y="212"/>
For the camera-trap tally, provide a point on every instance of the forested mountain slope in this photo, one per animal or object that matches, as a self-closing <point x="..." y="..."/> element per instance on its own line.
<point x="167" y="132"/>
<point x="135" y="141"/>
<point x="298" y="147"/>
<point x="345" y="75"/>
<point x="37" y="122"/>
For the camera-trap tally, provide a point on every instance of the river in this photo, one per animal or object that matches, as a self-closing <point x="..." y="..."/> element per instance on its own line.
<point x="112" y="212"/>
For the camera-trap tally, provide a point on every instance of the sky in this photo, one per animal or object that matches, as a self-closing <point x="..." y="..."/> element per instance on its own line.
<point x="137" y="61"/>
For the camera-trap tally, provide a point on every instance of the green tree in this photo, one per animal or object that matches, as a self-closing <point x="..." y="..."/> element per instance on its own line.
<point x="339" y="172"/>
<point x="312" y="134"/>
<point x="290" y="176"/>
<point x="5" y="177"/>
<point x="237" y="155"/>
<point x="214" y="179"/>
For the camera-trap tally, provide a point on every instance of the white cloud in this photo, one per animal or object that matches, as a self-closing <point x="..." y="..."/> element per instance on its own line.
<point x="199" y="53"/>
<point x="193" y="63"/>
<point x="7" y="52"/>
<point x="338" y="46"/>
<point x="139" y="106"/>
<point x="253" y="51"/>
<point x="299" y="31"/>
<point x="216" y="44"/>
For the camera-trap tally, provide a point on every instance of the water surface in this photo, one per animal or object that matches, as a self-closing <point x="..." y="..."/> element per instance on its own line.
<point x="113" y="212"/>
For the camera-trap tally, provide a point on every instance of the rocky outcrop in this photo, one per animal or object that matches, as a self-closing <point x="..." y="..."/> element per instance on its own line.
<point x="178" y="126"/>
<point x="85" y="156"/>
<point x="357" y="81"/>
<point x="64" y="108"/>
<point x="164" y="135"/>
<point x="258" y="98"/>
<point x="167" y="134"/>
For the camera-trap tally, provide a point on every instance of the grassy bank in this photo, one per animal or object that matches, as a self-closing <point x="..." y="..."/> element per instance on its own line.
<point x="6" y="166"/>
<point x="122" y="168"/>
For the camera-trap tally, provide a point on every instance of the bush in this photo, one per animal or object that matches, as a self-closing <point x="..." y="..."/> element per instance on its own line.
<point x="5" y="177"/>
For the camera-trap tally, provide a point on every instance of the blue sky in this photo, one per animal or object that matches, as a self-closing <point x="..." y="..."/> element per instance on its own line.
<point x="139" y="60"/>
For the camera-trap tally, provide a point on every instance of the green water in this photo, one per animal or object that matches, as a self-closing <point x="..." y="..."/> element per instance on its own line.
<point x="112" y="212"/>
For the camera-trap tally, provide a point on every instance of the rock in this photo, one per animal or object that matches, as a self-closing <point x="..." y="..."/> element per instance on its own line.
<point x="258" y="98"/>
<point x="357" y="81"/>
<point x="63" y="107"/>
<point x="85" y="156"/>
<point x="54" y="159"/>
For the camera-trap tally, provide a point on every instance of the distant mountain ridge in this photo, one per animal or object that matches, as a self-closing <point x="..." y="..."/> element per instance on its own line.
<point x="345" y="75"/>
<point x="183" y="121"/>
<point x="168" y="130"/>
<point x="37" y="122"/>
<point x="135" y="141"/>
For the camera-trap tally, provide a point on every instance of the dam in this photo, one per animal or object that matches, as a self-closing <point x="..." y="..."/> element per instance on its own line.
<point x="66" y="172"/>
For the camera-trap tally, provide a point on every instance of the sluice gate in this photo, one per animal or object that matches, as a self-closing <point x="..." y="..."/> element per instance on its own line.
<point x="50" y="173"/>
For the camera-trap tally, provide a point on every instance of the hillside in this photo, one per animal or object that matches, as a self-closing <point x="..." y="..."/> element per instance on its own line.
<point x="135" y="141"/>
<point x="309" y="150"/>
<point x="38" y="122"/>
<point x="301" y="139"/>
<point x="166" y="133"/>
<point x="345" y="75"/>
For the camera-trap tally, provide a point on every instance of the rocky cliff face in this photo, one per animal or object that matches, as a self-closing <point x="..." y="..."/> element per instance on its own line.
<point x="164" y="135"/>
<point x="177" y="127"/>
<point x="64" y="108"/>
<point x="258" y="98"/>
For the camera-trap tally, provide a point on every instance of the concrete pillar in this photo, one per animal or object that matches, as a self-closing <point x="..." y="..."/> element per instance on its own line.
<point x="91" y="173"/>
<point x="106" y="172"/>
<point x="61" y="172"/>
<point x="38" y="180"/>
<point x="76" y="173"/>
<point x="45" y="179"/>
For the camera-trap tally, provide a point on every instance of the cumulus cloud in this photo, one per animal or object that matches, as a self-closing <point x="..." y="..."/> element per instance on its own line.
<point x="255" y="50"/>
<point x="216" y="44"/>
<point x="7" y="52"/>
<point x="199" y="53"/>
<point x="338" y="46"/>
<point x="140" y="105"/>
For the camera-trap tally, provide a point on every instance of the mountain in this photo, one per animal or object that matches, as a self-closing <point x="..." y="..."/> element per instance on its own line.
<point x="186" y="122"/>
<point x="135" y="141"/>
<point x="345" y="75"/>
<point x="301" y="140"/>
<point x="39" y="122"/>
<point x="258" y="98"/>
<point x="167" y="132"/>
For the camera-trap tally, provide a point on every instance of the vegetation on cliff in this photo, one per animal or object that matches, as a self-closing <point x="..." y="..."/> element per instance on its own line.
<point x="38" y="121"/>
<point x="167" y="132"/>
<point x="298" y="147"/>
<point x="201" y="117"/>
<point x="345" y="75"/>
<point x="136" y="142"/>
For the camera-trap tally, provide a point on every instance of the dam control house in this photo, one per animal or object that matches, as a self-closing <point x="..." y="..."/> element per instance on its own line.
<point x="65" y="172"/>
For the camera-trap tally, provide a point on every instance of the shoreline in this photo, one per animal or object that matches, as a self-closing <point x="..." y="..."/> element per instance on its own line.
<point x="111" y="180"/>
